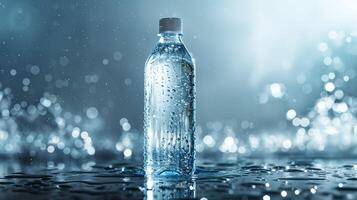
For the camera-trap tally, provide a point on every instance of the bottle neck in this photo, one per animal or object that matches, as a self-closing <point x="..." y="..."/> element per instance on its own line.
<point x="167" y="37"/>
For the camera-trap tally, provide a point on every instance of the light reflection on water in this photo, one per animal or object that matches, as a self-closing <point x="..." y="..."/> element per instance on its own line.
<point x="169" y="189"/>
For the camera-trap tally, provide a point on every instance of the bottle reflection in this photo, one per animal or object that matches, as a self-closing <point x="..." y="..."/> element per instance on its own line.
<point x="169" y="189"/>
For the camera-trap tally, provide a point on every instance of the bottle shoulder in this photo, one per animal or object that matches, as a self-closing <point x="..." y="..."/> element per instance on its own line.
<point x="168" y="52"/>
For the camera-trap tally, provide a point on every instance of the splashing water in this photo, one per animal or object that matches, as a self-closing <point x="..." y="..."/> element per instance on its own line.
<point x="331" y="125"/>
<point x="328" y="129"/>
<point x="46" y="130"/>
<point x="41" y="130"/>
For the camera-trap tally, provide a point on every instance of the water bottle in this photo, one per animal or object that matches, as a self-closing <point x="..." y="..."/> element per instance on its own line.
<point x="169" y="105"/>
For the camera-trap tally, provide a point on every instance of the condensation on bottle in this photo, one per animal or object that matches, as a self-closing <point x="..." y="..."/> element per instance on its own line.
<point x="169" y="105"/>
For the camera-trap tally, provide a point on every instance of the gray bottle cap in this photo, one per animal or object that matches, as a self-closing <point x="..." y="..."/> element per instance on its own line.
<point x="171" y="25"/>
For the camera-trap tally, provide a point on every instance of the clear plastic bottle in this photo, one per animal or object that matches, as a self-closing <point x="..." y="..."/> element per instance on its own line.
<point x="169" y="113"/>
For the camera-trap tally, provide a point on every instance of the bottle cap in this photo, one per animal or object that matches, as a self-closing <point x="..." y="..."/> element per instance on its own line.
<point x="171" y="25"/>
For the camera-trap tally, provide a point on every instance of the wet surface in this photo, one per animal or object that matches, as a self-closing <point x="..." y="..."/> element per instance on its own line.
<point x="242" y="179"/>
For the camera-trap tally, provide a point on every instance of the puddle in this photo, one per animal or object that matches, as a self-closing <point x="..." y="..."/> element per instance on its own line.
<point x="245" y="179"/>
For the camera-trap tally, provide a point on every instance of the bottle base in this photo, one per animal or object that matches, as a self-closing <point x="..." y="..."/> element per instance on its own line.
<point x="169" y="174"/>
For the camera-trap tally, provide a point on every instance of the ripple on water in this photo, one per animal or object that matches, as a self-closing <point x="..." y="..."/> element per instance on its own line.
<point x="247" y="180"/>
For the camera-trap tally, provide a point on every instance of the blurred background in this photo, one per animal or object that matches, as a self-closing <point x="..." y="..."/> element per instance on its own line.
<point x="275" y="75"/>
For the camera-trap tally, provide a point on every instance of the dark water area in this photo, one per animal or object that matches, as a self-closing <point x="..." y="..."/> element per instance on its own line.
<point x="277" y="178"/>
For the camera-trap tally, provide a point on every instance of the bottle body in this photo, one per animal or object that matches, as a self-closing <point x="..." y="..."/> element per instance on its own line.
<point x="169" y="109"/>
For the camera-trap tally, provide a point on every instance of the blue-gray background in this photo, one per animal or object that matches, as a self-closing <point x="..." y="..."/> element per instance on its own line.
<point x="91" y="53"/>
